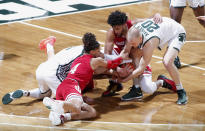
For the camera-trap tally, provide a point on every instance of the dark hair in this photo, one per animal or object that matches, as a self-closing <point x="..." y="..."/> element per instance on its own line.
<point x="90" y="43"/>
<point x="117" y="18"/>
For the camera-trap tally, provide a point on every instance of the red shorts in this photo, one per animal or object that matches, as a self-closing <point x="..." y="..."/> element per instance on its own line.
<point x="68" y="89"/>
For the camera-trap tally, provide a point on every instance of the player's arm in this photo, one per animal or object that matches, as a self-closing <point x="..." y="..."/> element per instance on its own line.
<point x="147" y="52"/>
<point x="156" y="17"/>
<point x="126" y="51"/>
<point x="109" y="42"/>
<point x="109" y="64"/>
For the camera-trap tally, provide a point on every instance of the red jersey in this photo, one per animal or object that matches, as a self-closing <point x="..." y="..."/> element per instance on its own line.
<point x="120" y="41"/>
<point x="81" y="71"/>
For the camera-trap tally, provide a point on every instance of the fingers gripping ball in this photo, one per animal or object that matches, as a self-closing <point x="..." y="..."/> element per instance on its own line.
<point x="125" y="70"/>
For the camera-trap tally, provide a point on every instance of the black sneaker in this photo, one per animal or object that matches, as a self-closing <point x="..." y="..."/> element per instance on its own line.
<point x="132" y="94"/>
<point x="112" y="89"/>
<point x="9" y="97"/>
<point x="182" y="97"/>
<point x="177" y="62"/>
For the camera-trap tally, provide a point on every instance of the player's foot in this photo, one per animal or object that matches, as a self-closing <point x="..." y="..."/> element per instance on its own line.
<point x="182" y="97"/>
<point x="167" y="83"/>
<point x="112" y="89"/>
<point x="55" y="118"/>
<point x="59" y="106"/>
<point x="133" y="94"/>
<point x="50" y="40"/>
<point x="177" y="62"/>
<point x="9" y="97"/>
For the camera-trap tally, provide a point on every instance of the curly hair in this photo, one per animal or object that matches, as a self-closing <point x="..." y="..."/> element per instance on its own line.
<point x="90" y="43"/>
<point x="117" y="18"/>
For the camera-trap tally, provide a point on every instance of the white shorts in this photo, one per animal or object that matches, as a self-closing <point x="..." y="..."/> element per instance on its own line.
<point x="182" y="3"/>
<point x="177" y="42"/>
<point x="146" y="83"/>
<point x="46" y="76"/>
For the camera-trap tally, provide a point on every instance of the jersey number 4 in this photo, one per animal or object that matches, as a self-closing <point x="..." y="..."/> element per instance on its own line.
<point x="150" y="26"/>
<point x="72" y="71"/>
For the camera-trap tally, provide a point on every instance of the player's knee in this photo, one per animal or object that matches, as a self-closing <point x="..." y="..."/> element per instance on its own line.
<point x="167" y="62"/>
<point x="93" y="113"/>
<point x="147" y="88"/>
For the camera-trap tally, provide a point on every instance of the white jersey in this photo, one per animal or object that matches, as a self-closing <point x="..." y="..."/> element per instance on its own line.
<point x="164" y="31"/>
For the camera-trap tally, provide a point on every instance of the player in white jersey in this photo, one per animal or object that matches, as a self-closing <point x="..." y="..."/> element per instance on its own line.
<point x="177" y="9"/>
<point x="52" y="72"/>
<point x="147" y="35"/>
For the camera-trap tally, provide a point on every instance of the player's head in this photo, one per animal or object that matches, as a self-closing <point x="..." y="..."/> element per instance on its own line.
<point x="91" y="45"/>
<point x="117" y="20"/>
<point x="134" y="36"/>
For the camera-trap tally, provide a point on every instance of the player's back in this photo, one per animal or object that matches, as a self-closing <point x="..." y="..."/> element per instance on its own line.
<point x="164" y="31"/>
<point x="81" y="70"/>
<point x="68" y="54"/>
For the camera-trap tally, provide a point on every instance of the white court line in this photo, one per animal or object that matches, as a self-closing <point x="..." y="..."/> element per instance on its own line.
<point x="102" y="122"/>
<point x="52" y="127"/>
<point x="71" y="35"/>
<point x="69" y="13"/>
<point x="158" y="62"/>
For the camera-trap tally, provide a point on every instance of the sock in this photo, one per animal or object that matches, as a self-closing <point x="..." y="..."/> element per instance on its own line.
<point x="50" y="50"/>
<point x="36" y="93"/>
<point x="159" y="83"/>
<point x="137" y="86"/>
<point x="67" y="116"/>
<point x="179" y="86"/>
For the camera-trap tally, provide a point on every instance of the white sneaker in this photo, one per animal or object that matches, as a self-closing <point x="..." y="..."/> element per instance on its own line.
<point x="55" y="118"/>
<point x="53" y="105"/>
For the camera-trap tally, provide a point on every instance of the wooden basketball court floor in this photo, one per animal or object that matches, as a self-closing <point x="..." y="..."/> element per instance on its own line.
<point x="19" y="42"/>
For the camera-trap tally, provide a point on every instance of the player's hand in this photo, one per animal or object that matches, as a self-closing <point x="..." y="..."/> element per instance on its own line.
<point x="201" y="18"/>
<point x="157" y="18"/>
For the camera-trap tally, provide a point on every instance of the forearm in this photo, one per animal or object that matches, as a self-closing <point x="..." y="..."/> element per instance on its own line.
<point x="134" y="74"/>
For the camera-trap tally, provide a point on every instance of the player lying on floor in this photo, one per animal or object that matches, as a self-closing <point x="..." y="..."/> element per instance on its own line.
<point x="52" y="72"/>
<point x="69" y="104"/>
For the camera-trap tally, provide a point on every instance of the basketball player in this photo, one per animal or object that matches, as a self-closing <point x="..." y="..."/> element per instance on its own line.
<point x="148" y="35"/>
<point x="116" y="36"/>
<point x="52" y="72"/>
<point x="69" y="104"/>
<point x="177" y="9"/>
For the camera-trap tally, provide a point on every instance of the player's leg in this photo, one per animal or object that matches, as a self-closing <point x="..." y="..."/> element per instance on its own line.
<point x="47" y="45"/>
<point x="135" y="91"/>
<point x="38" y="93"/>
<point x="199" y="11"/>
<point x="173" y="50"/>
<point x="113" y="86"/>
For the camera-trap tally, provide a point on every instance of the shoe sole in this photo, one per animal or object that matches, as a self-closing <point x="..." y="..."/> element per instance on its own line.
<point x="7" y="99"/>
<point x="131" y="98"/>
<point x="184" y="103"/>
<point x="17" y="94"/>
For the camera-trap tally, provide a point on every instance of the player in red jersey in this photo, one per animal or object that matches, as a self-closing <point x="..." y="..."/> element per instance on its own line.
<point x="116" y="40"/>
<point x="69" y="104"/>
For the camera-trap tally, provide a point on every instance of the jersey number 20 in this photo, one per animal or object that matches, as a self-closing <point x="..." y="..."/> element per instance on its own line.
<point x="150" y="26"/>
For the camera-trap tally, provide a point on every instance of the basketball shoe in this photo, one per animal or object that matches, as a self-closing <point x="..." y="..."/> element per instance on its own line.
<point x="167" y="83"/>
<point x="182" y="97"/>
<point x="112" y="89"/>
<point x="50" y="40"/>
<point x="177" y="62"/>
<point x="59" y="106"/>
<point x="9" y="97"/>
<point x="133" y="94"/>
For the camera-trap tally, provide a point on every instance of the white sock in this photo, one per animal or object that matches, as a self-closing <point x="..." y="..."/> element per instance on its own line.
<point x="49" y="48"/>
<point x="137" y="86"/>
<point x="67" y="116"/>
<point x="179" y="86"/>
